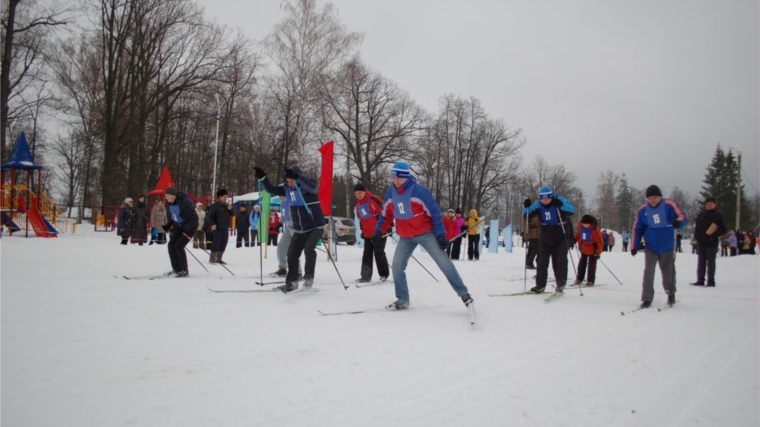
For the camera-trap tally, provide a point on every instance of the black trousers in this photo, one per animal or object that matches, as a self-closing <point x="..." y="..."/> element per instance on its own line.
<point x="706" y="261"/>
<point x="306" y="243"/>
<point x="273" y="239"/>
<point x="589" y="260"/>
<point x="473" y="246"/>
<point x="378" y="252"/>
<point x="625" y="246"/>
<point x="456" y="248"/>
<point x="242" y="235"/>
<point x="221" y="237"/>
<point x="177" y="242"/>
<point x="557" y="253"/>
<point x="530" y="257"/>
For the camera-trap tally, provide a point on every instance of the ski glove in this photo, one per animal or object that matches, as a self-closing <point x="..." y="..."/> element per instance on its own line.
<point x="526" y="203"/>
<point x="259" y="173"/>
<point x="633" y="252"/>
<point x="557" y="202"/>
<point x="376" y="238"/>
<point x="597" y="256"/>
<point x="290" y="173"/>
<point x="443" y="242"/>
<point x="166" y="227"/>
<point x="676" y="223"/>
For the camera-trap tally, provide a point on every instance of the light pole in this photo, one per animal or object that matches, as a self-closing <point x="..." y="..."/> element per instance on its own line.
<point x="738" y="188"/>
<point x="216" y="146"/>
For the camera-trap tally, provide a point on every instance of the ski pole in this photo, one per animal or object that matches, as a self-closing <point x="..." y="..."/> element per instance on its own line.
<point x="418" y="262"/>
<point x="223" y="266"/>
<point x="608" y="269"/>
<point x="562" y="224"/>
<point x="199" y="261"/>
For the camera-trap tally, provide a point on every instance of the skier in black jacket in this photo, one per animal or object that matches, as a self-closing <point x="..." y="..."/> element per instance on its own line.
<point x="308" y="221"/>
<point x="709" y="227"/>
<point x="182" y="220"/>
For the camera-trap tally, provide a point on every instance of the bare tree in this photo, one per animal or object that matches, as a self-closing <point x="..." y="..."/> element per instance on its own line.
<point x="606" y="203"/>
<point x="25" y="28"/>
<point x="372" y="116"/>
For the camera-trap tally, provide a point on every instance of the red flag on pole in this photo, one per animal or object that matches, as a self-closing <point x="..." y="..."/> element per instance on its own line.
<point x="326" y="179"/>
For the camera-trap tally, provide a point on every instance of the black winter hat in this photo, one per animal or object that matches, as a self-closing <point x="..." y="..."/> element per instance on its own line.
<point x="171" y="191"/>
<point x="653" y="190"/>
<point x="459" y="211"/>
<point x="360" y="187"/>
<point x="710" y="199"/>
<point x="587" y="219"/>
<point x="221" y="192"/>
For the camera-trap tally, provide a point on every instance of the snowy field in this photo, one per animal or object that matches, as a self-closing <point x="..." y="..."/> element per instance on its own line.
<point x="83" y="347"/>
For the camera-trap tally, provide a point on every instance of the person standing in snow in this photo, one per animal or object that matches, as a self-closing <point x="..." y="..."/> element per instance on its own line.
<point x="610" y="240"/>
<point x="368" y="208"/>
<point x="626" y="239"/>
<point x="418" y="222"/>
<point x="657" y="222"/>
<point x="220" y="218"/>
<point x="456" y="249"/>
<point x="241" y="226"/>
<point x="274" y="225"/>
<point x="555" y="236"/>
<point x="590" y="241"/>
<point x="473" y="223"/>
<point x="125" y="221"/>
<point x="533" y="224"/>
<point x="140" y="224"/>
<point x="183" y="219"/>
<point x="157" y="221"/>
<point x="308" y="222"/>
<point x="450" y="224"/>
<point x="199" y="235"/>
<point x="707" y="228"/>
<point x="253" y="221"/>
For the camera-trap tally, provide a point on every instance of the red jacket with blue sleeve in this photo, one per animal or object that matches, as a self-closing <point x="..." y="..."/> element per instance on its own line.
<point x="368" y="210"/>
<point x="413" y="208"/>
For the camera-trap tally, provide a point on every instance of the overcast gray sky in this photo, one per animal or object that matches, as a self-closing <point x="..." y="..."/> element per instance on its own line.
<point x="645" y="87"/>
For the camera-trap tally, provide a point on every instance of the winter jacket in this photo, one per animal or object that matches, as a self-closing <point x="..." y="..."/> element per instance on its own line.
<point x="655" y="225"/>
<point x="551" y="226"/>
<point x="473" y="224"/>
<point x="126" y="216"/>
<point x="705" y="221"/>
<point x="367" y="211"/>
<point x="274" y="221"/>
<point x="305" y="209"/>
<point x="589" y="239"/>
<point x="254" y="219"/>
<point x="220" y="214"/>
<point x="460" y="224"/>
<point x="450" y="224"/>
<point x="201" y="219"/>
<point x="732" y="241"/>
<point x="242" y="222"/>
<point x="141" y="216"/>
<point x="182" y="215"/>
<point x="158" y="217"/>
<point x="605" y="238"/>
<point x="611" y="239"/>
<point x="414" y="210"/>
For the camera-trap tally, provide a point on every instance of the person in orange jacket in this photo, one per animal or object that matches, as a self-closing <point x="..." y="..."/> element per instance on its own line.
<point x="591" y="242"/>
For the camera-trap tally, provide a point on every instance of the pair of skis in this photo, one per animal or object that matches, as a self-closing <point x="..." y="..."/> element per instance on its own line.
<point x="470" y="309"/>
<point x="659" y="309"/>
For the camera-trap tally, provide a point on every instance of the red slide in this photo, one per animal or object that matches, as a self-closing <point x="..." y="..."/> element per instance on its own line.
<point x="35" y="218"/>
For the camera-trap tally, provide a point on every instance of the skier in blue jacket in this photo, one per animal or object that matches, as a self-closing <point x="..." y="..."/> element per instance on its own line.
<point x="555" y="236"/>
<point x="657" y="221"/>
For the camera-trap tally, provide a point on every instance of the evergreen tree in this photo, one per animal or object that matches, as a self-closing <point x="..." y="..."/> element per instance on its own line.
<point x="625" y="204"/>
<point x="720" y="182"/>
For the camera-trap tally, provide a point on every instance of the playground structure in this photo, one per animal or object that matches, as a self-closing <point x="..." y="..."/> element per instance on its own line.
<point x="19" y="204"/>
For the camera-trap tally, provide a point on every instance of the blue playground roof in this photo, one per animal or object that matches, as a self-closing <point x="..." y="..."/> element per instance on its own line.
<point x="21" y="158"/>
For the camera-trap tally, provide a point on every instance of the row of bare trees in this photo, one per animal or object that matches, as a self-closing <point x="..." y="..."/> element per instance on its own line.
<point x="139" y="84"/>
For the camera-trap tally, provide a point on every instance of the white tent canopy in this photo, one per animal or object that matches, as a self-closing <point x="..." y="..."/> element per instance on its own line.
<point x="252" y="197"/>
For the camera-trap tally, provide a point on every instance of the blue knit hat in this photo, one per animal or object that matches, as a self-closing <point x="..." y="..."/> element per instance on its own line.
<point x="545" y="192"/>
<point x="401" y="170"/>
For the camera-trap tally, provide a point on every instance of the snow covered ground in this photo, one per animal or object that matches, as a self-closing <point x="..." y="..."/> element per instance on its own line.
<point x="81" y="346"/>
